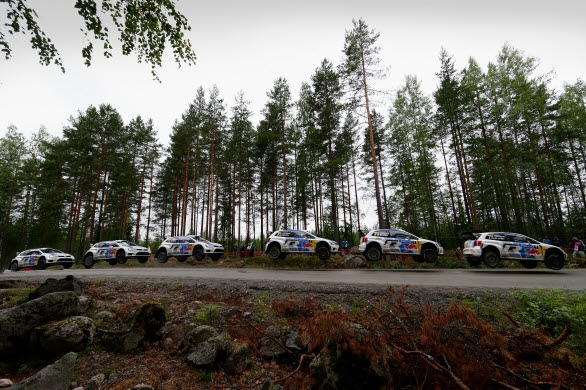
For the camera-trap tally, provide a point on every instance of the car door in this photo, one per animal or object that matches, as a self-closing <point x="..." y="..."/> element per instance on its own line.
<point x="407" y="243"/>
<point x="530" y="249"/>
<point x="99" y="254"/>
<point x="33" y="257"/>
<point x="173" y="248"/>
<point x="512" y="246"/>
<point x="22" y="258"/>
<point x="388" y="241"/>
<point x="290" y="241"/>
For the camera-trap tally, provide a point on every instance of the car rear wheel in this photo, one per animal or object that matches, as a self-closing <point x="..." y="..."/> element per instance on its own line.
<point x="14" y="266"/>
<point x="474" y="261"/>
<point x="429" y="255"/>
<point x="373" y="253"/>
<point x="274" y="252"/>
<point x="323" y="252"/>
<point x="491" y="259"/>
<point x="120" y="257"/>
<point x="88" y="261"/>
<point x="42" y="264"/>
<point x="162" y="257"/>
<point x="554" y="261"/>
<point x="199" y="254"/>
<point x="529" y="264"/>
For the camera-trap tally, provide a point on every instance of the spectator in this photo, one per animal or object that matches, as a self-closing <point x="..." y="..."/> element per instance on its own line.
<point x="251" y="249"/>
<point x="243" y="250"/>
<point x="458" y="253"/>
<point x="546" y="240"/>
<point x="345" y="247"/>
<point x="556" y="241"/>
<point x="578" y="248"/>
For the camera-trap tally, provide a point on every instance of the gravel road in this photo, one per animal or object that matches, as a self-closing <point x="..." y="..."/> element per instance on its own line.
<point x="337" y="280"/>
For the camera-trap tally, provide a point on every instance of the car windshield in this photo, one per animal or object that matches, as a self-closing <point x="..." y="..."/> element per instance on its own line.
<point x="51" y="250"/>
<point x="127" y="243"/>
<point x="185" y="239"/>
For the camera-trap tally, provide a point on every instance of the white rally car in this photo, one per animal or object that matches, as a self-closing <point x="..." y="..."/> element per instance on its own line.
<point x="181" y="247"/>
<point x="490" y="248"/>
<point x="283" y="242"/>
<point x="381" y="242"/>
<point x="41" y="258"/>
<point x="115" y="252"/>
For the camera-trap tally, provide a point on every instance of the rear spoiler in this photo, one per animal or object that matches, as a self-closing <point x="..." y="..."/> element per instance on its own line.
<point x="469" y="236"/>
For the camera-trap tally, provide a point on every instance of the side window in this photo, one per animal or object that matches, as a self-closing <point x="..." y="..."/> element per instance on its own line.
<point x="497" y="237"/>
<point x="278" y="234"/>
<point x="115" y="245"/>
<point x="384" y="233"/>
<point x="511" y="237"/>
<point x="25" y="253"/>
<point x="35" y="252"/>
<point x="286" y="234"/>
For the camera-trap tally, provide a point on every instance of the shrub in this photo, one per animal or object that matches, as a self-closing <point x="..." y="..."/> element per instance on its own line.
<point x="208" y="315"/>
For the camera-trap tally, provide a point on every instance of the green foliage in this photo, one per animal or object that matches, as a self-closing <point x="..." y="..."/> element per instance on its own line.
<point x="550" y="310"/>
<point x="208" y="315"/>
<point x="144" y="27"/>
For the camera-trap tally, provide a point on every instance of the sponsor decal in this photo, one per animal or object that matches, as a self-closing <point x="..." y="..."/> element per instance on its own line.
<point x="186" y="249"/>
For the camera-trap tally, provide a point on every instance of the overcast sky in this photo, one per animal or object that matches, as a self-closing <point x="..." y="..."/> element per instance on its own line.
<point x="247" y="44"/>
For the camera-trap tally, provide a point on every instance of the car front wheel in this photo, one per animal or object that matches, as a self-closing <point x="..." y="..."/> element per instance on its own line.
<point x="554" y="261"/>
<point x="162" y="257"/>
<point x="323" y="252"/>
<point x="121" y="257"/>
<point x="14" y="266"/>
<point x="429" y="255"/>
<point x="41" y="264"/>
<point x="199" y="254"/>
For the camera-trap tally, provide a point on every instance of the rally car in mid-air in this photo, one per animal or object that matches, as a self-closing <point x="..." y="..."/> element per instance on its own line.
<point x="490" y="248"/>
<point x="181" y="247"/>
<point x="115" y="252"/>
<point x="381" y="242"/>
<point x="41" y="258"/>
<point x="282" y="242"/>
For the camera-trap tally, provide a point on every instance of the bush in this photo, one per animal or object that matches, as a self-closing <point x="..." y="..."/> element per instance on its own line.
<point x="550" y="310"/>
<point x="208" y="315"/>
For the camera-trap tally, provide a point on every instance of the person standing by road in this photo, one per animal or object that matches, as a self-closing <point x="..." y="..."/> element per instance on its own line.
<point x="578" y="248"/>
<point x="345" y="247"/>
<point x="556" y="242"/>
<point x="251" y="249"/>
<point x="458" y="253"/>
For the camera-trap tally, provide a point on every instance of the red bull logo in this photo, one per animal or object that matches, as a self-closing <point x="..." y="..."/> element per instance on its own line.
<point x="309" y="245"/>
<point x="533" y="252"/>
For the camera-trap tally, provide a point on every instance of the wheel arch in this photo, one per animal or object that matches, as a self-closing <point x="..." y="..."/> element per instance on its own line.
<point x="321" y="244"/>
<point x="161" y="249"/>
<point x="374" y="243"/>
<point x="491" y="248"/>
<point x="549" y="251"/>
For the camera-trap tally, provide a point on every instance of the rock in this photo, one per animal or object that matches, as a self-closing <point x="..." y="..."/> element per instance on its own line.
<point x="355" y="250"/>
<point x="95" y="382"/>
<point x="236" y="349"/>
<point x="5" y="383"/>
<point x="353" y="262"/>
<point x="199" y="334"/>
<point x="71" y="334"/>
<point x="16" y="323"/>
<point x="53" y="377"/>
<point x="212" y="351"/>
<point x="85" y="304"/>
<point x="293" y="340"/>
<point x="120" y="341"/>
<point x="104" y="318"/>
<point x="142" y="386"/>
<point x="269" y="348"/>
<point x="150" y="318"/>
<point x="69" y="283"/>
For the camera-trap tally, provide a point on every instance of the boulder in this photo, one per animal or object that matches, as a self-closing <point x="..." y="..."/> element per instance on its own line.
<point x="268" y="347"/>
<point x="120" y="341"/>
<point x="150" y="318"/>
<point x="353" y="262"/>
<point x="53" y="377"/>
<point x="104" y="318"/>
<point x="198" y="335"/>
<point x="85" y="304"/>
<point x="293" y="341"/>
<point x="69" y="283"/>
<point x="16" y="323"/>
<point x="95" y="382"/>
<point x="71" y="334"/>
<point x="210" y="352"/>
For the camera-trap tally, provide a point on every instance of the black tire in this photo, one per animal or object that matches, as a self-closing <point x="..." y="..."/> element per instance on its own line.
<point x="68" y="265"/>
<point x="323" y="252"/>
<point x="554" y="260"/>
<point x="199" y="254"/>
<point x="113" y="261"/>
<point x="429" y="254"/>
<point x="120" y="257"/>
<point x="14" y="266"/>
<point x="474" y="261"/>
<point x="216" y="256"/>
<point x="274" y="252"/>
<point x="373" y="253"/>
<point x="143" y="259"/>
<point x="418" y="258"/>
<point x="529" y="264"/>
<point x="162" y="256"/>
<point x="182" y="259"/>
<point x="88" y="261"/>
<point x="491" y="258"/>
<point x="42" y="264"/>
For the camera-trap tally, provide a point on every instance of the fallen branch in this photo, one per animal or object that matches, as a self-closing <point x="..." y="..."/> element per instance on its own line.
<point x="311" y="356"/>
<point x="562" y="337"/>
<point x="513" y="321"/>
<point x="536" y="384"/>
<point x="271" y="337"/>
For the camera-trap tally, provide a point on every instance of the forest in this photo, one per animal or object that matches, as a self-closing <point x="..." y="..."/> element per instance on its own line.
<point x="495" y="147"/>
